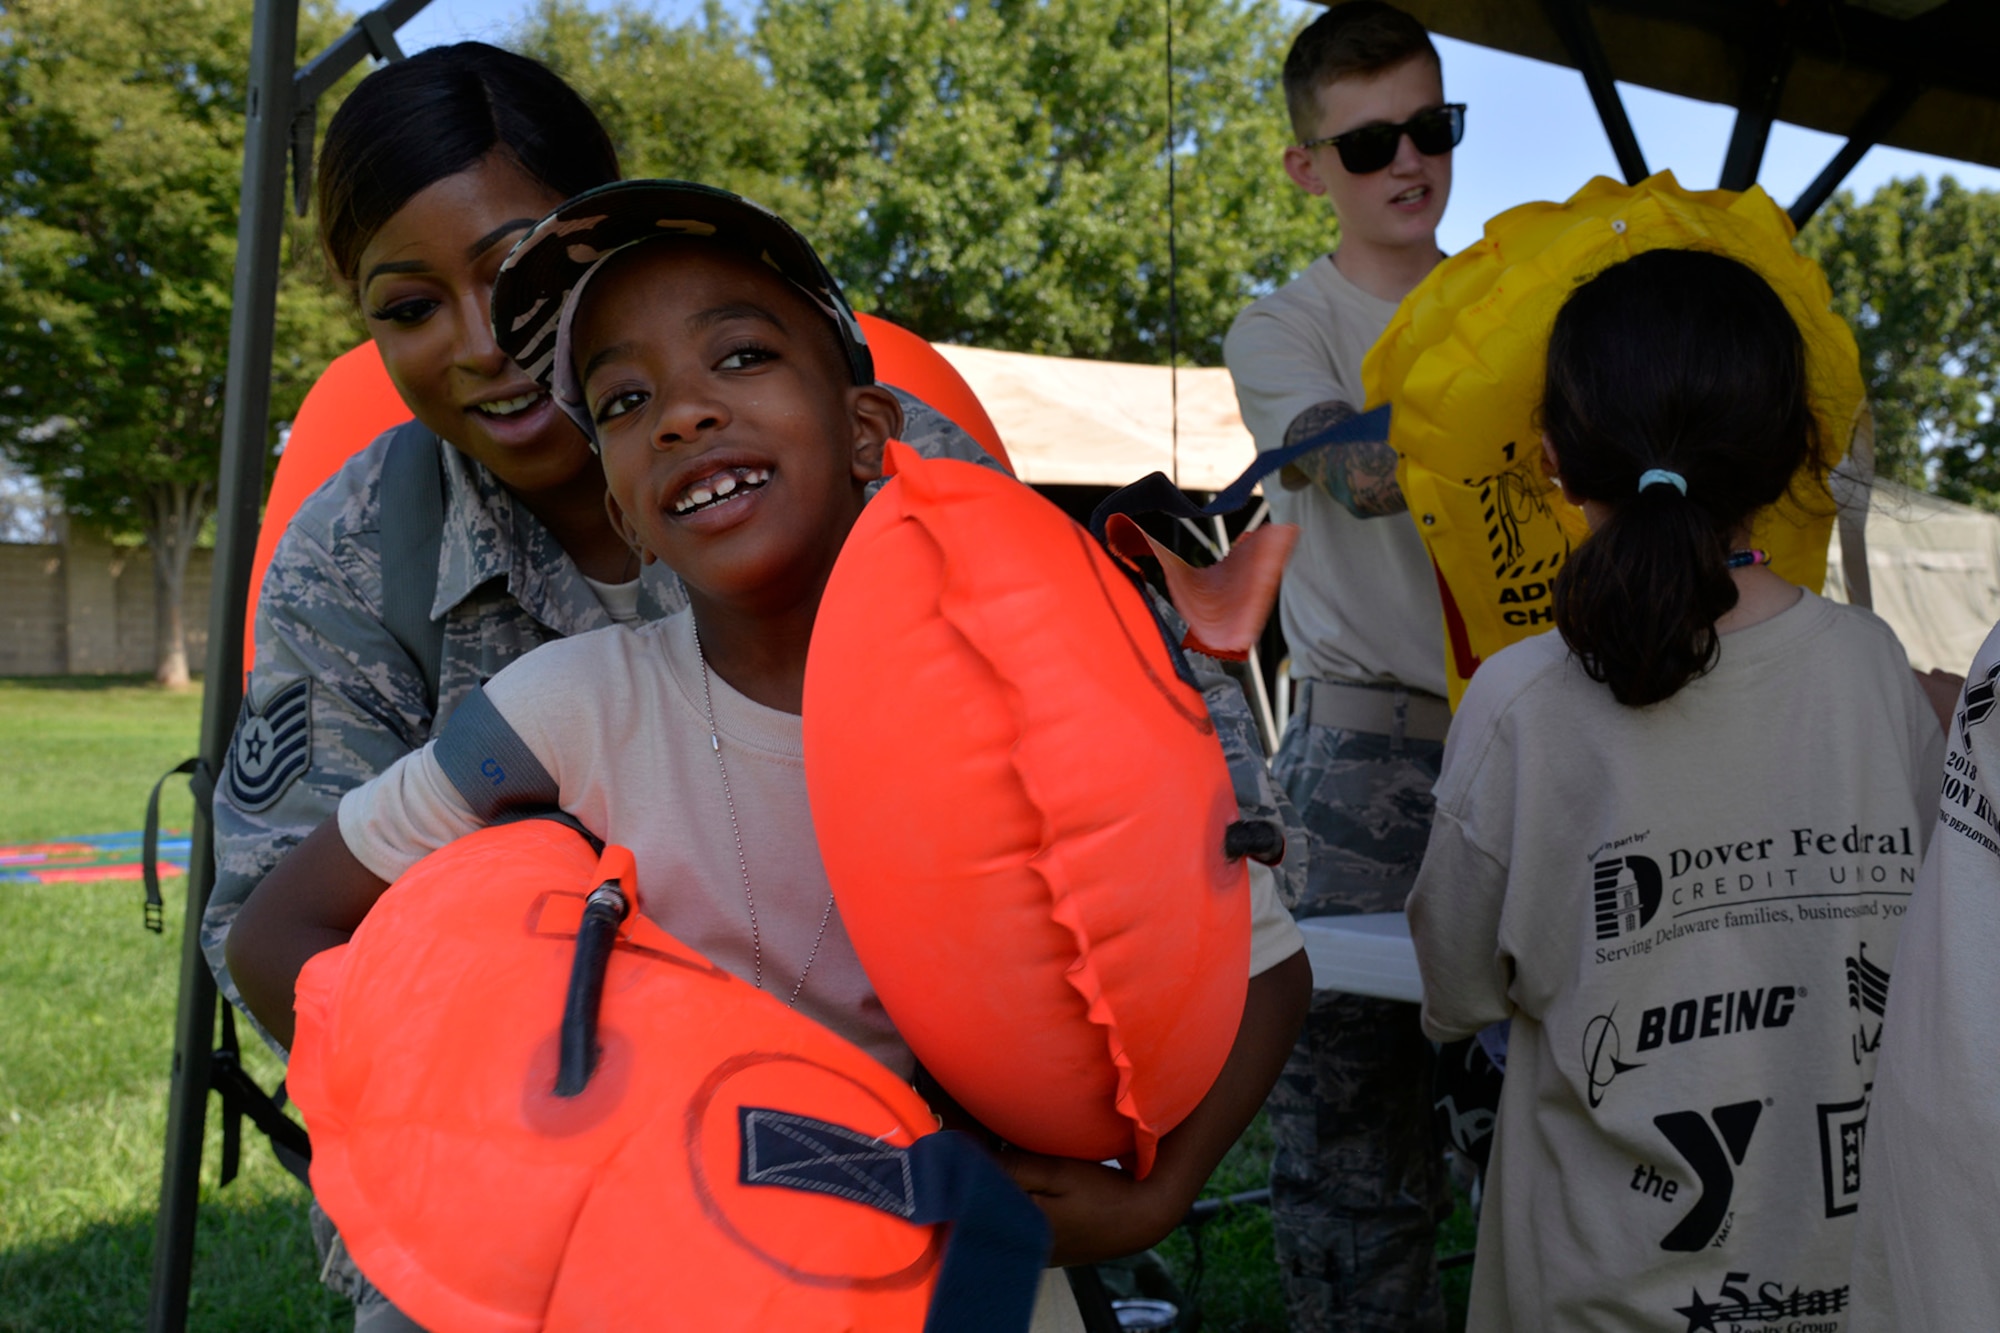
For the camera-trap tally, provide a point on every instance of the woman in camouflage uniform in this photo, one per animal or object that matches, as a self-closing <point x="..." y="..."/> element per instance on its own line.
<point x="431" y="170"/>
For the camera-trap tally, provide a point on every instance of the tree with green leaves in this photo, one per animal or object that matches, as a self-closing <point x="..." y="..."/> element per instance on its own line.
<point x="679" y="100"/>
<point x="990" y="173"/>
<point x="121" y="157"/>
<point x="996" y="173"/>
<point x="1917" y="276"/>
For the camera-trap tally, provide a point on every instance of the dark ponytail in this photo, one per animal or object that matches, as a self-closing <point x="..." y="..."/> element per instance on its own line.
<point x="1687" y="362"/>
<point x="412" y="123"/>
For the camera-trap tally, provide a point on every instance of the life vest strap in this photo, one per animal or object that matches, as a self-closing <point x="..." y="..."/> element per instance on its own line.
<point x="412" y="539"/>
<point x="489" y="763"/>
<point x="1155" y="493"/>
<point x="999" y="1241"/>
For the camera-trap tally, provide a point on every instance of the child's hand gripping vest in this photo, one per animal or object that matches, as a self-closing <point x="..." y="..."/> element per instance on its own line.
<point x="1022" y="809"/>
<point x="720" y="1162"/>
<point x="1462" y="364"/>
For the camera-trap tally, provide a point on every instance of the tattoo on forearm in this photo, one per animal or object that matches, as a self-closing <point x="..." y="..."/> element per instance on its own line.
<point x="1361" y="475"/>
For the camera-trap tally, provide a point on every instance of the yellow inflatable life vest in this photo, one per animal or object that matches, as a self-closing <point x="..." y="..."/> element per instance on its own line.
<point x="1461" y="365"/>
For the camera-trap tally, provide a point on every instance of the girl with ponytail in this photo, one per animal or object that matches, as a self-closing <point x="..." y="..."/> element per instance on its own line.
<point x="1675" y="409"/>
<point x="1674" y="839"/>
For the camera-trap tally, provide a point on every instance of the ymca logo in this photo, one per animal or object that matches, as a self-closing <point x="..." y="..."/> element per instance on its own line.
<point x="1709" y="1149"/>
<point x="1867" y="993"/>
<point x="1625" y="892"/>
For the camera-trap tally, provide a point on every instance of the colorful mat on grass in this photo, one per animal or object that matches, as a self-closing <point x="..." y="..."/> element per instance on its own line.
<point x="99" y="856"/>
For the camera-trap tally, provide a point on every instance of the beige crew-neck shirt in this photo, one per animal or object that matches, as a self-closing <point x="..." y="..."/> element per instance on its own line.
<point x="1690" y="912"/>
<point x="616" y="717"/>
<point x="1359" y="601"/>
<point x="619" y="600"/>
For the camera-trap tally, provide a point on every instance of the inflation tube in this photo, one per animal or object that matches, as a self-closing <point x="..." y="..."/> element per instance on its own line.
<point x="603" y="912"/>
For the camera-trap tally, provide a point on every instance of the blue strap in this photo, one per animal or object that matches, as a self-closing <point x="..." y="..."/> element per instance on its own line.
<point x="496" y="772"/>
<point x="1155" y="494"/>
<point x="489" y="763"/>
<point x="999" y="1240"/>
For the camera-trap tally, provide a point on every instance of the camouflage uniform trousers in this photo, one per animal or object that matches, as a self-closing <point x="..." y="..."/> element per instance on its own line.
<point x="1358" y="1183"/>
<point x="373" y="1312"/>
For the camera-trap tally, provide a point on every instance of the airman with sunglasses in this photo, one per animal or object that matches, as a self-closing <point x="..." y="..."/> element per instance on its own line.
<point x="1357" y="1183"/>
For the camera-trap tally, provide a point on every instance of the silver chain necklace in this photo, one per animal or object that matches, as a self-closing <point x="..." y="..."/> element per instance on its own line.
<point x="736" y="830"/>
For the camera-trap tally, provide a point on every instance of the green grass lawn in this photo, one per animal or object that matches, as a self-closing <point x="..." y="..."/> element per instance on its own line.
<point x="87" y="1039"/>
<point x="1228" y="1270"/>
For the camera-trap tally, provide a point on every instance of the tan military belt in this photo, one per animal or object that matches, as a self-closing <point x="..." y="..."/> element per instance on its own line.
<point x="1381" y="710"/>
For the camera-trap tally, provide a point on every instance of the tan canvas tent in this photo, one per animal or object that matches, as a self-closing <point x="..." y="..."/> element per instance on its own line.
<point x="1067" y="422"/>
<point x="1934" y="571"/>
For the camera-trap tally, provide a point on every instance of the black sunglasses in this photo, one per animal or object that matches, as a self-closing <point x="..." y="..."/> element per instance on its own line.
<point x="1373" y="147"/>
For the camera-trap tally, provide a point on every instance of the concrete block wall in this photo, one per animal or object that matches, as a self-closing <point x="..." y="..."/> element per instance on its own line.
<point x="33" y="623"/>
<point x="85" y="608"/>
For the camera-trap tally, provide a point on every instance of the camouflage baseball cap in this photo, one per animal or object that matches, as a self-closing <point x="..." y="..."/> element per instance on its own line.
<point x="535" y="295"/>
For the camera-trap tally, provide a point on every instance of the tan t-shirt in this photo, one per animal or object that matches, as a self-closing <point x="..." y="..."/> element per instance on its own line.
<point x="1690" y="913"/>
<point x="616" y="718"/>
<point x="1924" y="1249"/>
<point x="1359" y="601"/>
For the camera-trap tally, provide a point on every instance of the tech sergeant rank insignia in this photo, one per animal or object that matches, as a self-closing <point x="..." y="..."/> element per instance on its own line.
<point x="273" y="747"/>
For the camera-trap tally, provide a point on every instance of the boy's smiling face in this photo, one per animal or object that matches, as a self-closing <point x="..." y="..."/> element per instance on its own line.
<point x="735" y="443"/>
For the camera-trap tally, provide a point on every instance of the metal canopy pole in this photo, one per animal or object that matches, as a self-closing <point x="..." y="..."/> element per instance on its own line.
<point x="245" y="419"/>
<point x="1880" y="117"/>
<point x="1768" y="62"/>
<point x="374" y="33"/>
<point x="1571" y="20"/>
<point x="274" y="101"/>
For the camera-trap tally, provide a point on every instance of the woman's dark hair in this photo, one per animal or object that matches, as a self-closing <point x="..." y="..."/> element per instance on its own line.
<point x="412" y="123"/>
<point x="1685" y="361"/>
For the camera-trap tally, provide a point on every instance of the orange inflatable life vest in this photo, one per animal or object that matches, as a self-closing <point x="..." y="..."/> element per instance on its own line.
<point x="905" y="360"/>
<point x="728" y="1165"/>
<point x="1021" y="807"/>
<point x="353" y="402"/>
<point x="350" y="404"/>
